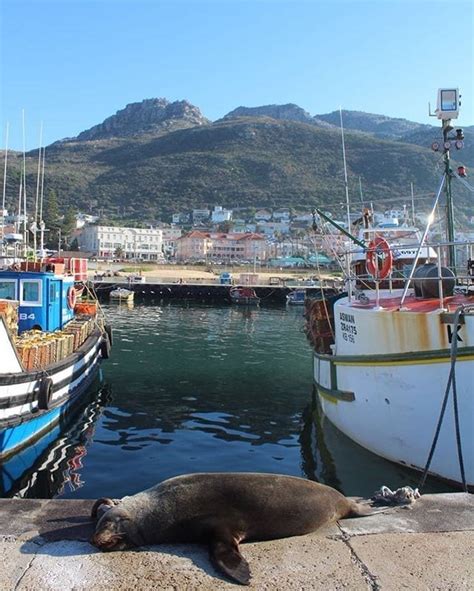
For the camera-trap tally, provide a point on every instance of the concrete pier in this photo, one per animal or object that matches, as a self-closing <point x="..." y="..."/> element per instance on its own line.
<point x="44" y="546"/>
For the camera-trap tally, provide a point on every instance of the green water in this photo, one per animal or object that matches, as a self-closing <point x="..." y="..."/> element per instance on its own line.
<point x="192" y="388"/>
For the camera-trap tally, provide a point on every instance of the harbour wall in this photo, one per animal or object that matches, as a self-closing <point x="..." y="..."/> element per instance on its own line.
<point x="204" y="292"/>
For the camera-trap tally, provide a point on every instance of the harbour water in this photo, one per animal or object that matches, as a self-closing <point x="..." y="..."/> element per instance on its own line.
<point x="200" y="388"/>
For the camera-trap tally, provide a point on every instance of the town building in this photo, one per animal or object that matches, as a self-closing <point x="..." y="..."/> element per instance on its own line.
<point x="170" y="237"/>
<point x="263" y="215"/>
<point x="221" y="247"/>
<point x="200" y="215"/>
<point x="83" y="218"/>
<point x="111" y="242"/>
<point x="281" y="215"/>
<point x="220" y="215"/>
<point x="273" y="228"/>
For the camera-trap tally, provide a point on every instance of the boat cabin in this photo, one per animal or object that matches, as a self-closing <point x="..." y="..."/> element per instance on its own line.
<point x="45" y="300"/>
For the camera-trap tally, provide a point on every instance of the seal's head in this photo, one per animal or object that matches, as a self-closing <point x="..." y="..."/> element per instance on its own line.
<point x="115" y="530"/>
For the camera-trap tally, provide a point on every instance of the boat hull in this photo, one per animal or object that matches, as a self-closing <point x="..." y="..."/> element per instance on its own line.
<point x="22" y="421"/>
<point x="392" y="406"/>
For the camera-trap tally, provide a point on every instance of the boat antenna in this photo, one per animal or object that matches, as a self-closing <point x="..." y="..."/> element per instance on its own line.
<point x="25" y="230"/>
<point x="34" y="226"/>
<point x="4" y="194"/>
<point x="41" y="222"/>
<point x="346" y="186"/>
<point x="360" y="191"/>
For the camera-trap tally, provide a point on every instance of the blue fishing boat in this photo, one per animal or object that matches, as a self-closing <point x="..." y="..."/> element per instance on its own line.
<point x="51" y="346"/>
<point x="296" y="297"/>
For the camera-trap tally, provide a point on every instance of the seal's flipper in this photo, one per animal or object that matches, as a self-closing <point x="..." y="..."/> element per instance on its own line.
<point x="226" y="556"/>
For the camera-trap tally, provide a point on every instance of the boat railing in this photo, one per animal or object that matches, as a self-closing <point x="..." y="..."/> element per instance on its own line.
<point x="435" y="254"/>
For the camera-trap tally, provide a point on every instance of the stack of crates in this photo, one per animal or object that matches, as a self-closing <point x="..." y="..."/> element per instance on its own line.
<point x="9" y="311"/>
<point x="81" y="328"/>
<point x="37" y="349"/>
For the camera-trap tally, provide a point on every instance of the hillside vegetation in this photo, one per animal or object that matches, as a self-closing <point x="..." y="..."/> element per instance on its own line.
<point x="251" y="161"/>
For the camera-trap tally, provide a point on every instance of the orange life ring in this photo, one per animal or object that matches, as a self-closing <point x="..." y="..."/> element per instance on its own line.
<point x="71" y="298"/>
<point x="379" y="246"/>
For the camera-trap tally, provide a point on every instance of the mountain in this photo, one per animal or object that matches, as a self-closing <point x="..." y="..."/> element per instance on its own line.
<point x="378" y="125"/>
<point x="150" y="116"/>
<point x="289" y="112"/>
<point x="139" y="168"/>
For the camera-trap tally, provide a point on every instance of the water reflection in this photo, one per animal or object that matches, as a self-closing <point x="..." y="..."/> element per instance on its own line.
<point x="330" y="457"/>
<point x="54" y="463"/>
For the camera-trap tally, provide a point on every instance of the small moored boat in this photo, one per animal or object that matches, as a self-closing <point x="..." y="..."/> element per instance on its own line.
<point x="296" y="297"/>
<point x="244" y="296"/>
<point x="121" y="294"/>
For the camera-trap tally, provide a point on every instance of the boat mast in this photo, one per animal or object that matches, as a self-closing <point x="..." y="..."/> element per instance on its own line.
<point x="38" y="178"/>
<point x="4" y="194"/>
<point x="25" y="223"/>
<point x="41" y="222"/>
<point x="346" y="186"/>
<point x="349" y="281"/>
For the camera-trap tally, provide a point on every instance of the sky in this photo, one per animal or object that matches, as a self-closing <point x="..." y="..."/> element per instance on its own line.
<point x="69" y="64"/>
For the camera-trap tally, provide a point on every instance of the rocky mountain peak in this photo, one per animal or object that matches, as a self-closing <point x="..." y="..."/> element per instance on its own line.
<point x="289" y="112"/>
<point x="149" y="116"/>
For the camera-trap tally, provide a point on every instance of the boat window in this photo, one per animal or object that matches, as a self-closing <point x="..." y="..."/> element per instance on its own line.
<point x="31" y="292"/>
<point x="8" y="290"/>
<point x="52" y="292"/>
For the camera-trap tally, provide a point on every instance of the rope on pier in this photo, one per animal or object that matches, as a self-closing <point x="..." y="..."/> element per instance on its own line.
<point x="402" y="496"/>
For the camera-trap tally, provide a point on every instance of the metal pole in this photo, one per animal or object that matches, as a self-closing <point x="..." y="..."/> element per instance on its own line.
<point x="4" y="194"/>
<point x="38" y="179"/>
<point x="449" y="200"/>
<point x="440" y="280"/>
<point x="345" y="173"/>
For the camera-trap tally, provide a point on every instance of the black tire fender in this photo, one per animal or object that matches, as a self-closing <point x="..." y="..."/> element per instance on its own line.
<point x="45" y="393"/>
<point x="108" y="330"/>
<point x="105" y="347"/>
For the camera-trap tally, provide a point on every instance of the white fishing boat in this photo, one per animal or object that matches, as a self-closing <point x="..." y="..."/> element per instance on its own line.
<point x="121" y="294"/>
<point x="394" y="366"/>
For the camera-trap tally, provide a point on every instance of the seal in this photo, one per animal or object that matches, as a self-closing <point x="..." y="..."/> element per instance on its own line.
<point x="221" y="509"/>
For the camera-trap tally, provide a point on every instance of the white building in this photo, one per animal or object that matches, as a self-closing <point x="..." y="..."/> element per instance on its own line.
<point x="170" y="236"/>
<point x="134" y="243"/>
<point x="272" y="228"/>
<point x="83" y="218"/>
<point x="220" y="215"/>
